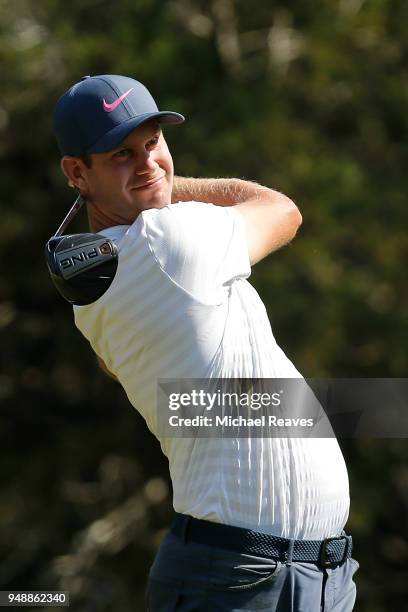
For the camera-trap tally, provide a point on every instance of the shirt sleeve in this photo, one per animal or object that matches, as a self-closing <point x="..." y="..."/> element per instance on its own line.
<point x="203" y="248"/>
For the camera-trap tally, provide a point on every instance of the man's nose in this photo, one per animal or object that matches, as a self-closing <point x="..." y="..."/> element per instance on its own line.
<point x="146" y="164"/>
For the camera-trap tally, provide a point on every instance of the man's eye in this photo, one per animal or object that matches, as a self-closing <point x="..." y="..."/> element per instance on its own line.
<point x="154" y="141"/>
<point x="122" y="153"/>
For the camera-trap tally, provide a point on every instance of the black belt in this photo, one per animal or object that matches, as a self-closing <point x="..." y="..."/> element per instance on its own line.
<point x="323" y="552"/>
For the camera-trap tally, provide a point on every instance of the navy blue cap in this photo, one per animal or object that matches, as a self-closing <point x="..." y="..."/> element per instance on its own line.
<point x="96" y="114"/>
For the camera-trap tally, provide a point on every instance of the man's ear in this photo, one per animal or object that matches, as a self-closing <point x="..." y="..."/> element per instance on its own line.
<point x="73" y="168"/>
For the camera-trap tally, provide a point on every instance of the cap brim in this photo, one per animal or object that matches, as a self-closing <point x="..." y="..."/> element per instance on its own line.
<point x="114" y="137"/>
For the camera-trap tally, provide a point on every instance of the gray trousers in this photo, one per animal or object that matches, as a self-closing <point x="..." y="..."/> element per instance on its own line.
<point x="189" y="577"/>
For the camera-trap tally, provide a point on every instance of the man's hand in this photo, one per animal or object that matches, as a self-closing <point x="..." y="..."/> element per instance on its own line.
<point x="271" y="218"/>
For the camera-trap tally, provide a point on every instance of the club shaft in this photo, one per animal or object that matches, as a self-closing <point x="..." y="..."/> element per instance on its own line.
<point x="71" y="214"/>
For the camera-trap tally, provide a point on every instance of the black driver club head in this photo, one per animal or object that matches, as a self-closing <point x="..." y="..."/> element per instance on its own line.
<point x="81" y="266"/>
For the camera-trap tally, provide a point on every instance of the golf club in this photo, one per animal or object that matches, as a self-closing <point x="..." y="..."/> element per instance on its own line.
<point x="82" y="266"/>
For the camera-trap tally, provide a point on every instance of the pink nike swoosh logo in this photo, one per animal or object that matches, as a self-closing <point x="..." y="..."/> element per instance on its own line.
<point x="111" y="107"/>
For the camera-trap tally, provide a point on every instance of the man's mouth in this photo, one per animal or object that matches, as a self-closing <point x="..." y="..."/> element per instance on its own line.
<point x="150" y="183"/>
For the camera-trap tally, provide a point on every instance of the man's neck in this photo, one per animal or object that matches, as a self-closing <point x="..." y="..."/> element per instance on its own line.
<point x="98" y="220"/>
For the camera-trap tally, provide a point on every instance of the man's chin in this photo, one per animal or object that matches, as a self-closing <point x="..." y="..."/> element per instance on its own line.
<point x="155" y="204"/>
<point x="160" y="201"/>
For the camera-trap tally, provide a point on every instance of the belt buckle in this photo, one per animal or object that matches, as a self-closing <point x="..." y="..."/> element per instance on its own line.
<point x="323" y="561"/>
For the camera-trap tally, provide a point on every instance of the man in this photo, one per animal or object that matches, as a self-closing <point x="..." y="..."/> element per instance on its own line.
<point x="253" y="515"/>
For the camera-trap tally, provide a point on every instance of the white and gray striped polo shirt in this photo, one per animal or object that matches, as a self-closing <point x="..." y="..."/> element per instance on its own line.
<point x="180" y="307"/>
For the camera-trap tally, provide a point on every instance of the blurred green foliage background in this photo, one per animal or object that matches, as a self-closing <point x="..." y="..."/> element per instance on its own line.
<point x="308" y="97"/>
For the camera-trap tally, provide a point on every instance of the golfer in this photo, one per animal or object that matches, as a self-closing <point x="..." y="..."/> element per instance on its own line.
<point x="259" y="522"/>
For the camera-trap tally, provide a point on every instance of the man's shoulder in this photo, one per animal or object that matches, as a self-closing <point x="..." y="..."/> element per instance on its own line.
<point x="192" y="214"/>
<point x="178" y="208"/>
<point x="174" y="220"/>
<point x="116" y="232"/>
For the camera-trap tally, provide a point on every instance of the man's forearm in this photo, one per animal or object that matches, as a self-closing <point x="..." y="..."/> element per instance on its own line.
<point x="220" y="191"/>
